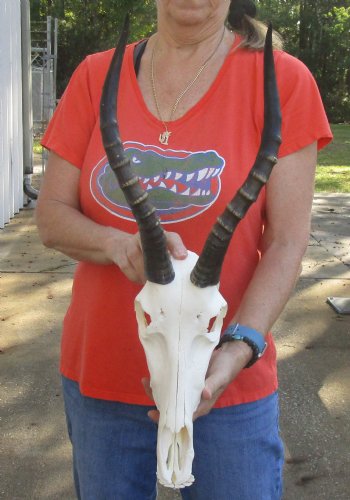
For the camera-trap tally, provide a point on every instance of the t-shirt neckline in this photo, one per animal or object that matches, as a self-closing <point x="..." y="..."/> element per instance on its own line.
<point x="196" y="107"/>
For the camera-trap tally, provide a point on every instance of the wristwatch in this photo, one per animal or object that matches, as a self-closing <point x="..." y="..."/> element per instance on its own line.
<point x="254" y="339"/>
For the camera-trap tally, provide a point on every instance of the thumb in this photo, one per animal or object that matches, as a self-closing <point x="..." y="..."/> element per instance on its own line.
<point x="213" y="386"/>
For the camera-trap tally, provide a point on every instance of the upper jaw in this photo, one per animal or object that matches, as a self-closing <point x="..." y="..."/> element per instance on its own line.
<point x="175" y="455"/>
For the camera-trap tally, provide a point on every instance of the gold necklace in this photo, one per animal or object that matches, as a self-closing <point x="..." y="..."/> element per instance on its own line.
<point x="164" y="136"/>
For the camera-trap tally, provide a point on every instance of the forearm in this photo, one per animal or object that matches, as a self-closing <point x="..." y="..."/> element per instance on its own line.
<point x="289" y="195"/>
<point x="66" y="229"/>
<point x="271" y="286"/>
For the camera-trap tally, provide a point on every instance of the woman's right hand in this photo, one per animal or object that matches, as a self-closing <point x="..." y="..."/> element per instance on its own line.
<point x="126" y="253"/>
<point x="62" y="226"/>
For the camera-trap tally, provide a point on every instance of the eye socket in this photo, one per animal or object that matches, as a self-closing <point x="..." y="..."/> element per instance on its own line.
<point x="147" y="318"/>
<point x="211" y="323"/>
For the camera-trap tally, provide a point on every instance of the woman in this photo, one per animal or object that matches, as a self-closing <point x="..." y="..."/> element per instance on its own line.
<point x="190" y="100"/>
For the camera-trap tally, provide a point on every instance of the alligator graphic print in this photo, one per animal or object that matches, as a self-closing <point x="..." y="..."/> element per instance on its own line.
<point x="181" y="184"/>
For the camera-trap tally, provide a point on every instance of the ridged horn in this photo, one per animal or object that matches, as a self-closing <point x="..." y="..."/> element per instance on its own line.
<point x="208" y="267"/>
<point x="158" y="267"/>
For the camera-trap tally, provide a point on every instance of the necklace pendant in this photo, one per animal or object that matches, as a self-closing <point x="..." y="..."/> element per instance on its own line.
<point x="164" y="137"/>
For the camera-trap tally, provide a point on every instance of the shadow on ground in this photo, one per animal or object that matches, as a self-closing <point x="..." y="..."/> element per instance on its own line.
<point x="313" y="345"/>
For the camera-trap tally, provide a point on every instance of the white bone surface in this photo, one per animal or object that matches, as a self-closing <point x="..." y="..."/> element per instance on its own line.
<point x="173" y="322"/>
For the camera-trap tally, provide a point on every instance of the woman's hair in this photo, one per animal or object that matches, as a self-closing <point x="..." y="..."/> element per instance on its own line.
<point x="241" y="20"/>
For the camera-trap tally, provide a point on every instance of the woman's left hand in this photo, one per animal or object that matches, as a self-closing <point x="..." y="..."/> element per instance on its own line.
<point x="224" y="366"/>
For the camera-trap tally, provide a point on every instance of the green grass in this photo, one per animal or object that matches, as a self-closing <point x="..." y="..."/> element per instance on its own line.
<point x="333" y="169"/>
<point x="37" y="148"/>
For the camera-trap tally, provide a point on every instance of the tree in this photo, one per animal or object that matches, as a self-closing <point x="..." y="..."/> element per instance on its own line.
<point x="88" y="26"/>
<point x="318" y="33"/>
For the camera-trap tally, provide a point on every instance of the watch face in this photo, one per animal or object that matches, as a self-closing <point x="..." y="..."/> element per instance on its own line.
<point x="236" y="336"/>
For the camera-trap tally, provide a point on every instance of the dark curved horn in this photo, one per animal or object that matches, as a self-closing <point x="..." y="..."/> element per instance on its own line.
<point x="158" y="267"/>
<point x="208" y="267"/>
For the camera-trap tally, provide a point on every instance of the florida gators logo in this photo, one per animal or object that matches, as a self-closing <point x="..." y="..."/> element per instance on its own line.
<point x="180" y="184"/>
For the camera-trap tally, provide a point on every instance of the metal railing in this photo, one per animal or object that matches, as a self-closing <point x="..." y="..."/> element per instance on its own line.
<point x="44" y="37"/>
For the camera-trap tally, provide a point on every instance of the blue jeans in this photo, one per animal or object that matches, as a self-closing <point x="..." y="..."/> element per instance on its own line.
<point x="238" y="450"/>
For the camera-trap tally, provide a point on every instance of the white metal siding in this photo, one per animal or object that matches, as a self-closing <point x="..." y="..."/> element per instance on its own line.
<point x="11" y="131"/>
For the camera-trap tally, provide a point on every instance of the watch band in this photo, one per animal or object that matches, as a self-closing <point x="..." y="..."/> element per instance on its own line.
<point x="252" y="337"/>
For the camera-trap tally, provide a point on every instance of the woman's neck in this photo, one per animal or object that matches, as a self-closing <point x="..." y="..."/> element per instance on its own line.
<point x="177" y="61"/>
<point x="187" y="29"/>
<point x="189" y="44"/>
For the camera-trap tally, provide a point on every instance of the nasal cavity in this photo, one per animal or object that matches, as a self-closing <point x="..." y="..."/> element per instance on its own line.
<point x="177" y="452"/>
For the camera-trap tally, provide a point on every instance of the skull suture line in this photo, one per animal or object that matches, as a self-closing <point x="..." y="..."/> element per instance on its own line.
<point x="180" y="298"/>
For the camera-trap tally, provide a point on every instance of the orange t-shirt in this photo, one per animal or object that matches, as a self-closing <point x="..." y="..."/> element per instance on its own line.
<point x="210" y="152"/>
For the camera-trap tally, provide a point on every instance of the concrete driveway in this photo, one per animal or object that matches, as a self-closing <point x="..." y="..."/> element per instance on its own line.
<point x="313" y="343"/>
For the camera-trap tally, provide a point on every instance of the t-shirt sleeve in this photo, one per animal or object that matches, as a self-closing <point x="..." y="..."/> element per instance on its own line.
<point x="304" y="120"/>
<point x="69" y="131"/>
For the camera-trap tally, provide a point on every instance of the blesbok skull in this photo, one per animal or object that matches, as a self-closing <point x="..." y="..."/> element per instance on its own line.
<point x="176" y="308"/>
<point x="179" y="327"/>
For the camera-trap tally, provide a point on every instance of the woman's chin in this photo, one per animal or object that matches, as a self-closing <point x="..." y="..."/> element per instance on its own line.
<point x="190" y="13"/>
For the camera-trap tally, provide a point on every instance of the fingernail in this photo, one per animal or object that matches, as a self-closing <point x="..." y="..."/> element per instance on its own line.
<point x="182" y="253"/>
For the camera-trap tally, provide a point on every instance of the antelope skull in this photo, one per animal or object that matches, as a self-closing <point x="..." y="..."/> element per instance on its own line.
<point x="180" y="310"/>
<point x="179" y="327"/>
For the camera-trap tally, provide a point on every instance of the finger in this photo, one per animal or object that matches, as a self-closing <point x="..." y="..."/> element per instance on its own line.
<point x="204" y="408"/>
<point x="214" y="385"/>
<point x="207" y="393"/>
<point x="207" y="402"/>
<point x="154" y="416"/>
<point x="176" y="246"/>
<point x="127" y="268"/>
<point x="135" y="260"/>
<point x="139" y="271"/>
<point x="147" y="387"/>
